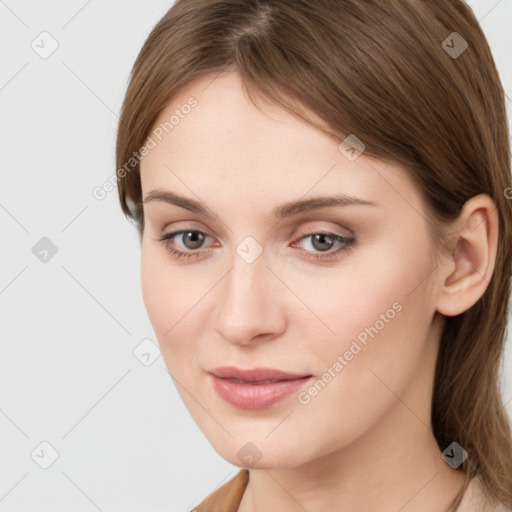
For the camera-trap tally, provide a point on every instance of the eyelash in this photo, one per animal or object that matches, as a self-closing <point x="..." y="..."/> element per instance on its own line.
<point x="348" y="244"/>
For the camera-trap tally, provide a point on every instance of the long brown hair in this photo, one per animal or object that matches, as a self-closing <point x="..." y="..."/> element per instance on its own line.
<point x="415" y="80"/>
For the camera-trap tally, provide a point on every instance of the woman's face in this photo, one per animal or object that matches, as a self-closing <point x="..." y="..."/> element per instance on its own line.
<point x="259" y="286"/>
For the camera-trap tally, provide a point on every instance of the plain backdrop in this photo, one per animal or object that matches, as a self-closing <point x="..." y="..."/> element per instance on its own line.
<point x="89" y="417"/>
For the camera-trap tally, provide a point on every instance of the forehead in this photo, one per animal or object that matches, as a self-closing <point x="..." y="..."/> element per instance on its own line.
<point x="226" y="123"/>
<point x="225" y="142"/>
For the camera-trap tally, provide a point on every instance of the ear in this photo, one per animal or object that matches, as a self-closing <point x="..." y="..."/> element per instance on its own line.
<point x="466" y="273"/>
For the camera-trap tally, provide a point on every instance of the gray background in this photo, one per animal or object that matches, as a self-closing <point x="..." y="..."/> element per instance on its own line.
<point x="68" y="372"/>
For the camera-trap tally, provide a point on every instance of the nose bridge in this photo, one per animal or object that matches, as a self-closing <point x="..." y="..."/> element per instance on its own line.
<point x="243" y="290"/>
<point x="246" y="306"/>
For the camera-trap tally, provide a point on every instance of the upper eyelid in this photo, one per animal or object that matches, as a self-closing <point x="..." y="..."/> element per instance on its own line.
<point x="190" y="226"/>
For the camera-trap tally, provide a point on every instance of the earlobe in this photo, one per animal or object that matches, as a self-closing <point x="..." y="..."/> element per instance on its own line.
<point x="466" y="273"/>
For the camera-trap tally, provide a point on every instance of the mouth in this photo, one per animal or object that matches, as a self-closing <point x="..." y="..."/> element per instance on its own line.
<point x="256" y="388"/>
<point x="256" y="382"/>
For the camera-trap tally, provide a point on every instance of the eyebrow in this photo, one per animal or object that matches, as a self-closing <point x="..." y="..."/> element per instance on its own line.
<point x="285" y="210"/>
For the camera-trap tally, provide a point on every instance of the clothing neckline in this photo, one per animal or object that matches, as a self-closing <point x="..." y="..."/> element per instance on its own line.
<point x="228" y="497"/>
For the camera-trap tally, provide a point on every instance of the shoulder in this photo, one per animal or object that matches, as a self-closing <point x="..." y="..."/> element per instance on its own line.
<point x="227" y="497"/>
<point x="475" y="499"/>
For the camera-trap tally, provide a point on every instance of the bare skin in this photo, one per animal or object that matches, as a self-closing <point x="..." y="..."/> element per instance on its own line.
<point x="364" y="442"/>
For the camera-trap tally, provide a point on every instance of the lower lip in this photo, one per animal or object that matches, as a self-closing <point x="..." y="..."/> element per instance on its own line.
<point x="256" y="396"/>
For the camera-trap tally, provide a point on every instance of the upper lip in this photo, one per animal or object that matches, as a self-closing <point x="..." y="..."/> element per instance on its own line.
<point x="254" y="374"/>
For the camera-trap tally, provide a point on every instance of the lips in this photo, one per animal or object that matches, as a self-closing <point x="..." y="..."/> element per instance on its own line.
<point x="254" y="375"/>
<point x="255" y="388"/>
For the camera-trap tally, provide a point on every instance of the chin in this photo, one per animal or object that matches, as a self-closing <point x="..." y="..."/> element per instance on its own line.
<point x="262" y="454"/>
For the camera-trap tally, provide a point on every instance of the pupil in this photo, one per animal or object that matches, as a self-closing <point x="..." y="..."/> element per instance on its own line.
<point x="195" y="237"/>
<point x="321" y="237"/>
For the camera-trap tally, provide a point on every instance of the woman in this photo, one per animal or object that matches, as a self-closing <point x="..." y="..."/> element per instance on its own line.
<point x="322" y="192"/>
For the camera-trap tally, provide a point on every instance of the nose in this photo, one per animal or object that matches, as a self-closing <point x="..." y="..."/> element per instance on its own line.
<point x="251" y="303"/>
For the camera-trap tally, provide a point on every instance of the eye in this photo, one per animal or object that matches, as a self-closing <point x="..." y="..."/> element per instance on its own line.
<point x="192" y="239"/>
<point x="320" y="241"/>
<point x="324" y="241"/>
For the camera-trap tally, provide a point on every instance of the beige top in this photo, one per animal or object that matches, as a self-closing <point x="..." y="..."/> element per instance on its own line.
<point x="228" y="497"/>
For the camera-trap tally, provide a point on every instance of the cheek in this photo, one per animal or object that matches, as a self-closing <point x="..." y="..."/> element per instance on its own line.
<point x="156" y="290"/>
<point x="381" y="316"/>
<point x="361" y="298"/>
<point x="173" y="300"/>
